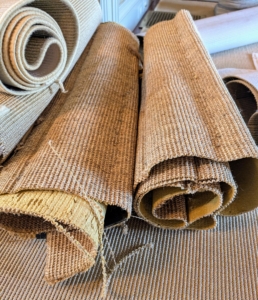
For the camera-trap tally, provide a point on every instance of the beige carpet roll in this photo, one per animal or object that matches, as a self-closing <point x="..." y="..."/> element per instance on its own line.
<point x="194" y="150"/>
<point x="238" y="66"/>
<point x="40" y="41"/>
<point x="79" y="159"/>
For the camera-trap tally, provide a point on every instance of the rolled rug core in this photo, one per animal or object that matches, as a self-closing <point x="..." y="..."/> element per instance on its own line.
<point x="34" y="51"/>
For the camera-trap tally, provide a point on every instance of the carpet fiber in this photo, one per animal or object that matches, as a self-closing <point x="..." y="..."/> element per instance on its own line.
<point x="193" y="148"/>
<point x="40" y="42"/>
<point x="220" y="264"/>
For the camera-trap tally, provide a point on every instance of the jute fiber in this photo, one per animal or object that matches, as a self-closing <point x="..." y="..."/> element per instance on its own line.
<point x="189" y="131"/>
<point x="219" y="264"/>
<point x="79" y="159"/>
<point x="40" y="41"/>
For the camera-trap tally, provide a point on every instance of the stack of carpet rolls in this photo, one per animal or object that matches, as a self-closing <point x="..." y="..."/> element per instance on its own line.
<point x="80" y="156"/>
<point x="184" y="157"/>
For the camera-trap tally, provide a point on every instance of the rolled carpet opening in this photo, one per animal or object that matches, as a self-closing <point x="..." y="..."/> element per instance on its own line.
<point x="189" y="131"/>
<point x="79" y="159"/>
<point x="235" y="55"/>
<point x="40" y="42"/>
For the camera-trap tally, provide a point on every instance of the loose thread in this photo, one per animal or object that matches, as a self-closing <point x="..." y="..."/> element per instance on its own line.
<point x="100" y="222"/>
<point x="61" y="86"/>
<point x="137" y="218"/>
<point x="125" y="229"/>
<point x="110" y="248"/>
<point x="126" y="258"/>
<point x="72" y="239"/>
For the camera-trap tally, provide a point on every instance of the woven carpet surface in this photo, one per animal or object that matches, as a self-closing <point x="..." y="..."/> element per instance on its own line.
<point x="40" y="41"/>
<point x="80" y="155"/>
<point x="193" y="148"/>
<point x="219" y="264"/>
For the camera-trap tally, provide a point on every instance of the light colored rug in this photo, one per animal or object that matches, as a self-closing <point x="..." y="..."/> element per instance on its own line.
<point x="235" y="55"/>
<point x="40" y="42"/>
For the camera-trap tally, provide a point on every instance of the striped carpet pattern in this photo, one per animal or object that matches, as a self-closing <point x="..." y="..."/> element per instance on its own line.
<point x="219" y="264"/>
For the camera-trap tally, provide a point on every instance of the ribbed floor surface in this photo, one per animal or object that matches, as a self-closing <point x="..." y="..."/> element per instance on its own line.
<point x="219" y="264"/>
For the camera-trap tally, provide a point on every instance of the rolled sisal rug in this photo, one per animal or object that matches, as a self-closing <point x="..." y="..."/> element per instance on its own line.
<point x="40" y="41"/>
<point x="79" y="159"/>
<point x="194" y="148"/>
<point x="238" y="66"/>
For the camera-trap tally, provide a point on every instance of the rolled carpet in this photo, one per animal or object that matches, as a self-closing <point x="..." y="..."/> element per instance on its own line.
<point x="238" y="66"/>
<point x="229" y="31"/>
<point x="79" y="159"/>
<point x="226" y="6"/>
<point x="193" y="148"/>
<point x="40" y="41"/>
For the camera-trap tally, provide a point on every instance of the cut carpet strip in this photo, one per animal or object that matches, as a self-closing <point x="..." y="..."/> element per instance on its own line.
<point x="40" y="42"/>
<point x="79" y="159"/>
<point x="194" y="150"/>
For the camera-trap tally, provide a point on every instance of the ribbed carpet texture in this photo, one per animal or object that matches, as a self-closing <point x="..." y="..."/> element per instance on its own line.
<point x="194" y="150"/>
<point x="82" y="154"/>
<point x="219" y="264"/>
<point x="185" y="157"/>
<point x="40" y="41"/>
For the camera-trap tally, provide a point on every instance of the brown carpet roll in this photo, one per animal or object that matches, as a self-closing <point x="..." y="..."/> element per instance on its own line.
<point x="189" y="131"/>
<point x="79" y="159"/>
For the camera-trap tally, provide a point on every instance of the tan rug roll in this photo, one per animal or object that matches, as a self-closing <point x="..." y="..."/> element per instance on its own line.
<point x="79" y="159"/>
<point x="189" y="131"/>
<point x="238" y="66"/>
<point x="40" y="41"/>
